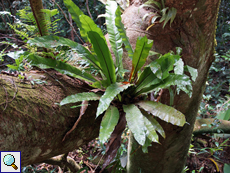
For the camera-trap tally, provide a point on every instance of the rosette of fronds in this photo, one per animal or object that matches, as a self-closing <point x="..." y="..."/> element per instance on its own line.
<point x="121" y="100"/>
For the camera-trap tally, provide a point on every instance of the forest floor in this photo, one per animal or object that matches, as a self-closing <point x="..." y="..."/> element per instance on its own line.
<point x="207" y="154"/>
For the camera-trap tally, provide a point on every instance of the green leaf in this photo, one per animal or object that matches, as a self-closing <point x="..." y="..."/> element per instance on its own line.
<point x="122" y="31"/>
<point x="154" y="123"/>
<point x="79" y="97"/>
<point x="193" y="72"/>
<point x="146" y="79"/>
<point x="55" y="41"/>
<point x="108" y="123"/>
<point x="88" y="25"/>
<point x="12" y="66"/>
<point x="148" y="6"/>
<point x="143" y="46"/>
<point x="178" y="50"/>
<point x="153" y="2"/>
<point x="146" y="145"/>
<point x="170" y="15"/>
<point x="110" y="93"/>
<point x="85" y="23"/>
<point x="173" y="15"/>
<point x="50" y="13"/>
<point x="150" y="131"/>
<point x="182" y="82"/>
<point x="114" y="35"/>
<point x="164" y="112"/>
<point x="163" y="65"/>
<point x="179" y="67"/>
<point x="156" y="69"/>
<point x="226" y="168"/>
<point x="104" y="56"/>
<point x="135" y="121"/>
<point x="224" y="115"/>
<point x="164" y="14"/>
<point x="60" y="66"/>
<point x="75" y="12"/>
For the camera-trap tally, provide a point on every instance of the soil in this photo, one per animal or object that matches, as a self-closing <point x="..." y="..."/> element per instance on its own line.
<point x="206" y="156"/>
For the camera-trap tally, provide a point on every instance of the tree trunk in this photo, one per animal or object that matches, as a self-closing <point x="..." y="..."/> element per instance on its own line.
<point x="194" y="31"/>
<point x="32" y="123"/>
<point x="36" y="7"/>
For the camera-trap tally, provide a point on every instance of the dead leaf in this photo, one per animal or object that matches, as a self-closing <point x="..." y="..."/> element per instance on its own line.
<point x="82" y="111"/>
<point x="114" y="142"/>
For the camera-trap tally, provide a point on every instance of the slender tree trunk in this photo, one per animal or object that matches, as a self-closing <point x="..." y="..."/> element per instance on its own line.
<point x="36" y="6"/>
<point x="71" y="24"/>
<point x="194" y="31"/>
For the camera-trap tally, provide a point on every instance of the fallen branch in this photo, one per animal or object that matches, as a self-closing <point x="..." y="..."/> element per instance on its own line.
<point x="211" y="125"/>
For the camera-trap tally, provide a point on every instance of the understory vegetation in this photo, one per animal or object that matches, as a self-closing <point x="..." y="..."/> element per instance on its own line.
<point x="134" y="94"/>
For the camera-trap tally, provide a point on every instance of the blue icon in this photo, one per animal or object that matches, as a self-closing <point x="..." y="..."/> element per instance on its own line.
<point x="9" y="160"/>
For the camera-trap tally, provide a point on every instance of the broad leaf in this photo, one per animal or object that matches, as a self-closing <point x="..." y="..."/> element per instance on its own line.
<point x="193" y="72"/>
<point x="146" y="79"/>
<point x="154" y="123"/>
<point x="165" y="63"/>
<point x="75" y="12"/>
<point x="55" y="41"/>
<point x="110" y="93"/>
<point x="79" y="97"/>
<point x="170" y="15"/>
<point x="150" y="131"/>
<point x="158" y="5"/>
<point x="156" y="69"/>
<point x="146" y="145"/>
<point x="122" y="31"/>
<point x="135" y="121"/>
<point x="164" y="112"/>
<point x="224" y="115"/>
<point x="148" y="6"/>
<point x="143" y="46"/>
<point x="108" y="123"/>
<point x="60" y="66"/>
<point x="226" y="168"/>
<point x="88" y="25"/>
<point x="114" y="35"/>
<point x="179" y="67"/>
<point x="178" y="50"/>
<point x="173" y="12"/>
<point x="164" y="14"/>
<point x="104" y="56"/>
<point x="85" y="23"/>
<point x="181" y="81"/>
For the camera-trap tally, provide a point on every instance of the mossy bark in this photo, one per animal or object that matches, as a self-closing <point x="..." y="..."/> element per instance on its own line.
<point x="211" y="125"/>
<point x="194" y="31"/>
<point x="39" y="16"/>
<point x="32" y="122"/>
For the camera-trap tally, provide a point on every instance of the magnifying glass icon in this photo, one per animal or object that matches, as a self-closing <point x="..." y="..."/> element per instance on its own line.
<point x="9" y="160"/>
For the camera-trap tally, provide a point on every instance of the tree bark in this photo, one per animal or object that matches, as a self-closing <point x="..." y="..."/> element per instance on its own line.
<point x="36" y="7"/>
<point x="32" y="123"/>
<point x="211" y="125"/>
<point x="194" y="31"/>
